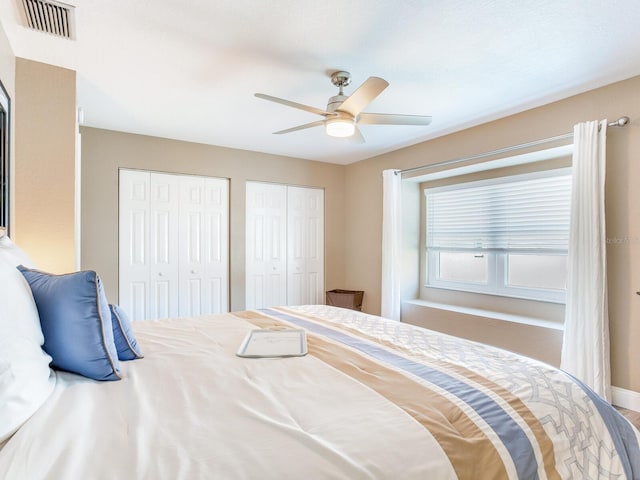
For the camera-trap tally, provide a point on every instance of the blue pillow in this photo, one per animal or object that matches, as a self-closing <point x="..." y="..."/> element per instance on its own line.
<point x="76" y="322"/>
<point x="126" y="344"/>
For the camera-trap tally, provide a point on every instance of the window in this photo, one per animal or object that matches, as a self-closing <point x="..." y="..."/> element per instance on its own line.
<point x="4" y="158"/>
<point x="506" y="236"/>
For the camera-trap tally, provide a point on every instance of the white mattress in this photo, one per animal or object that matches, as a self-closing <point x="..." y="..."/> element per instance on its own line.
<point x="192" y="409"/>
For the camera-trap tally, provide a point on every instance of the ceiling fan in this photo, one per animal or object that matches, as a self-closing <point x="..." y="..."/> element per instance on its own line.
<point x="344" y="112"/>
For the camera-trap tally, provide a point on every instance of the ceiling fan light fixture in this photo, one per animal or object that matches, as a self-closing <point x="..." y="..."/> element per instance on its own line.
<point x="340" y="127"/>
<point x="345" y="112"/>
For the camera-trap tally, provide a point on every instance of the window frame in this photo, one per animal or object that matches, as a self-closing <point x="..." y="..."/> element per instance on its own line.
<point x="497" y="268"/>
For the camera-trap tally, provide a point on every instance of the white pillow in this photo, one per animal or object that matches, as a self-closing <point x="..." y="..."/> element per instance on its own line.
<point x="26" y="381"/>
<point x="12" y="252"/>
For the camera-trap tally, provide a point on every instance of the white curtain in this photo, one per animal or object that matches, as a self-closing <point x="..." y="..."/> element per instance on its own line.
<point x="391" y="239"/>
<point x="585" y="348"/>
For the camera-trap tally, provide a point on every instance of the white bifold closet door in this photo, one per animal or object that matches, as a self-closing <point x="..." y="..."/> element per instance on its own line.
<point x="173" y="244"/>
<point x="204" y="245"/>
<point x="284" y="245"/>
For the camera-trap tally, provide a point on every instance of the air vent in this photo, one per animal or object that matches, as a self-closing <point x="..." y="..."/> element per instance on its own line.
<point x="51" y="17"/>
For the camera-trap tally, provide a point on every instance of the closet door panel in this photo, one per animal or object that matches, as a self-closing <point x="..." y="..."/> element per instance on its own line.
<point x="217" y="295"/>
<point x="204" y="252"/>
<point x="305" y="246"/>
<point x="315" y="244"/>
<point x="134" y="256"/>
<point x="216" y="245"/>
<point x="266" y="210"/>
<point x="296" y="248"/>
<point x="135" y="301"/>
<point x="191" y="265"/>
<point x="163" y="268"/>
<point x="161" y="306"/>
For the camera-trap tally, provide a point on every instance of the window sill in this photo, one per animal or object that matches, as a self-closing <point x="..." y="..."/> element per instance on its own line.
<point x="514" y="293"/>
<point x="489" y="314"/>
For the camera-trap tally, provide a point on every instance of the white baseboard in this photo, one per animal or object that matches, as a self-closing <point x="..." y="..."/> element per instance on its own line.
<point x="625" y="398"/>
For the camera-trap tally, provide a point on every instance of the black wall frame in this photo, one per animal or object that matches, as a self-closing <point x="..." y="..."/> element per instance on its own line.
<point x="5" y="174"/>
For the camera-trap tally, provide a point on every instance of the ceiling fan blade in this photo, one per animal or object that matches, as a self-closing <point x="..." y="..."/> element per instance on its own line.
<point x="288" y="103"/>
<point x="300" y="127"/>
<point x="357" y="136"/>
<point x="363" y="96"/>
<point x="391" y="119"/>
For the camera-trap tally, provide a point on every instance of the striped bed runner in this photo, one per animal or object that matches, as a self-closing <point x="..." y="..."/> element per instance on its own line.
<point x="471" y="416"/>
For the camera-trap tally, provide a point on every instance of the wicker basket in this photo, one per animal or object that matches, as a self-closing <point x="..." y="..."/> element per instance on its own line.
<point x="345" y="298"/>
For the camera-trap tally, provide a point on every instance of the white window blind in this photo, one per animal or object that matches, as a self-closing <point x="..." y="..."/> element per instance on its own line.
<point x="528" y="214"/>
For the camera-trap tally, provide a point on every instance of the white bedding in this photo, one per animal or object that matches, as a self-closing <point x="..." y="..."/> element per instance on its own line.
<point x="192" y="409"/>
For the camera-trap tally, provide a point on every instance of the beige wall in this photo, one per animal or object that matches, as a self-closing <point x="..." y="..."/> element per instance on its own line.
<point x="103" y="152"/>
<point x="364" y="205"/>
<point x="45" y="112"/>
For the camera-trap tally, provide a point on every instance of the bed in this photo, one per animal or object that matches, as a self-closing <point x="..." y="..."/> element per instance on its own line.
<point x="372" y="399"/>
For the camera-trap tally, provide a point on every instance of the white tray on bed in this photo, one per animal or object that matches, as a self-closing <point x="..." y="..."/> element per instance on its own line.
<point x="274" y="343"/>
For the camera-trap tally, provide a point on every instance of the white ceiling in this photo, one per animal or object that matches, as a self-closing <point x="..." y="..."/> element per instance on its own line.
<point x="188" y="69"/>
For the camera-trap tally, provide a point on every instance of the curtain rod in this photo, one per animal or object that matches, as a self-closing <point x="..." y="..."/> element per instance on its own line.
<point x="621" y="122"/>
